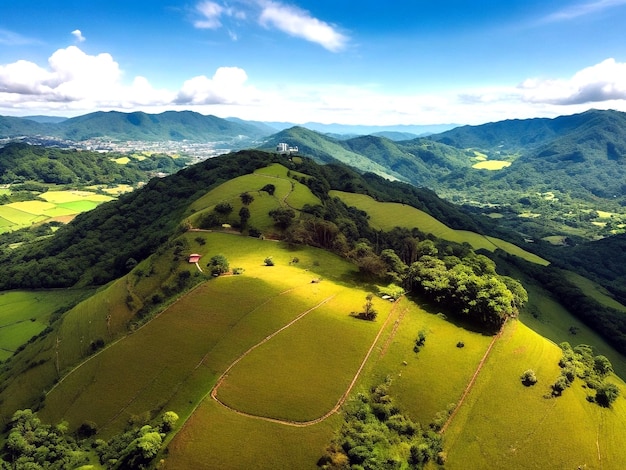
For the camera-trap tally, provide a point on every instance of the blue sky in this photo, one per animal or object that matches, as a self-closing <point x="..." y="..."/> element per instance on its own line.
<point x="413" y="62"/>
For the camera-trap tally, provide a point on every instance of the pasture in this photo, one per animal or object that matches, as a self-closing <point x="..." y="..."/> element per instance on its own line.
<point x="492" y="430"/>
<point x="24" y="314"/>
<point x="387" y="215"/>
<point x="176" y="358"/>
<point x="288" y="193"/>
<point x="56" y="204"/>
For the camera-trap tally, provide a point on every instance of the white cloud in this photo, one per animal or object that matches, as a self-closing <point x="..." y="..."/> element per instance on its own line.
<point x="270" y="14"/>
<point x="227" y="86"/>
<point x="299" y="23"/>
<point x="78" y="35"/>
<point x="582" y="9"/>
<point x="211" y="13"/>
<point x="605" y="81"/>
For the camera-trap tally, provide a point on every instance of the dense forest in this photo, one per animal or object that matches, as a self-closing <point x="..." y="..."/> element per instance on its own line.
<point x="23" y="163"/>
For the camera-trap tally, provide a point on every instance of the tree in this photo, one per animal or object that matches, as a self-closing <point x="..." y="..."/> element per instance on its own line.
<point x="269" y="189"/>
<point x="168" y="421"/>
<point x="218" y="264"/>
<point x="368" y="313"/>
<point x="244" y="215"/>
<point x="282" y="217"/>
<point x="246" y="198"/>
<point x="602" y="365"/>
<point x="223" y="208"/>
<point x="606" y="394"/>
<point x="529" y="378"/>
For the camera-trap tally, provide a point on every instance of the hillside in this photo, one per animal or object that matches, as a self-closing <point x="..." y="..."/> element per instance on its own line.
<point x="139" y="126"/>
<point x="274" y="351"/>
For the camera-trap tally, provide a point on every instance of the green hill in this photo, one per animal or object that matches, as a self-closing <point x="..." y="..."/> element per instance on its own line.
<point x="277" y="352"/>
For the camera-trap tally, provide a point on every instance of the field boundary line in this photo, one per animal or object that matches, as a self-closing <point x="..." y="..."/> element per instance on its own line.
<point x="471" y="382"/>
<point x="340" y="402"/>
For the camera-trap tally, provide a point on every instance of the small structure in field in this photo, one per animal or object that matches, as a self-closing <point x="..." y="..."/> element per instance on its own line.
<point x="194" y="258"/>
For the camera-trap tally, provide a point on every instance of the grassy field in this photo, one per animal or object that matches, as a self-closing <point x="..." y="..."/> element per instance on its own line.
<point x="288" y="193"/>
<point x="492" y="165"/>
<point x="177" y="356"/>
<point x="24" y="314"/>
<point x="531" y="431"/>
<point x="387" y="215"/>
<point x="18" y="215"/>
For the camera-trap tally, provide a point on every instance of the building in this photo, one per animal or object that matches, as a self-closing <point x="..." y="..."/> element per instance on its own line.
<point x="284" y="149"/>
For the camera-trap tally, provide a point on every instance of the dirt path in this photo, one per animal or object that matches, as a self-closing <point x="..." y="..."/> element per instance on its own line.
<point x="341" y="400"/>
<point x="473" y="379"/>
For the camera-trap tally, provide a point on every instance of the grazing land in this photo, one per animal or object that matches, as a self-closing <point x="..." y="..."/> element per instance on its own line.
<point x="24" y="314"/>
<point x="387" y="215"/>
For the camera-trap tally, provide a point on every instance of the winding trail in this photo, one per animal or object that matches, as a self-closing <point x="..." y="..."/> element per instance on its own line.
<point x="341" y="400"/>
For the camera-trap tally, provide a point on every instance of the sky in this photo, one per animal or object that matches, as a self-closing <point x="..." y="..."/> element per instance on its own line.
<point x="369" y="62"/>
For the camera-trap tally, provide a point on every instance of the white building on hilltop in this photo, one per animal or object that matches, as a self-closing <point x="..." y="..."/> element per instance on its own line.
<point x="284" y="149"/>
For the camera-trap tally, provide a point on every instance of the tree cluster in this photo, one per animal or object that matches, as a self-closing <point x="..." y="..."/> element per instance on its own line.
<point x="581" y="362"/>
<point x="376" y="435"/>
<point x="33" y="445"/>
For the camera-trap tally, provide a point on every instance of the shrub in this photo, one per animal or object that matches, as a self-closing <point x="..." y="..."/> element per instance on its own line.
<point x="269" y="261"/>
<point x="218" y="264"/>
<point x="606" y="394"/>
<point x="460" y="344"/>
<point x="529" y="378"/>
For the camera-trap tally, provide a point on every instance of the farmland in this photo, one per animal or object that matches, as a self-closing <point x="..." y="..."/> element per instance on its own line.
<point x="52" y="205"/>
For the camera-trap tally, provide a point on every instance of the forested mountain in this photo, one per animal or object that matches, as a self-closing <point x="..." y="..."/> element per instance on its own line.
<point x="170" y="125"/>
<point x="22" y="162"/>
<point x="418" y="161"/>
<point x="102" y="240"/>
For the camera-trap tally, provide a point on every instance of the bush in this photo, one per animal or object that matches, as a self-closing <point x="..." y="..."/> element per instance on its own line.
<point x="269" y="261"/>
<point x="606" y="394"/>
<point x="529" y="378"/>
<point x="218" y="264"/>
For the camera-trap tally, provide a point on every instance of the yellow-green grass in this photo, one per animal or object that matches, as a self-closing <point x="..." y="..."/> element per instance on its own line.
<point x="58" y="197"/>
<point x="112" y="190"/>
<point x="492" y="165"/>
<point x="503" y="424"/>
<point x="176" y="357"/>
<point x="293" y="193"/>
<point x="549" y="319"/>
<point x="24" y="314"/>
<point x="419" y="383"/>
<point x="387" y="215"/>
<point x="4" y="191"/>
<point x="604" y="214"/>
<point x="494" y="215"/>
<point x="324" y="348"/>
<point x="121" y="160"/>
<point x="57" y="204"/>
<point x="215" y="437"/>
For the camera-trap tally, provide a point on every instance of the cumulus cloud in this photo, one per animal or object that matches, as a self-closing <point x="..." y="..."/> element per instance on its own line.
<point x="271" y="14"/>
<point x="605" y="81"/>
<point x="78" y="35"/>
<point x="227" y="86"/>
<point x="299" y="23"/>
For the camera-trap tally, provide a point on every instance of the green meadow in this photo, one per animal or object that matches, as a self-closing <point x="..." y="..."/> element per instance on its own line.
<point x="24" y="314"/>
<point x="288" y="193"/>
<point x="387" y="215"/>
<point x="177" y="357"/>
<point x="504" y="424"/>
